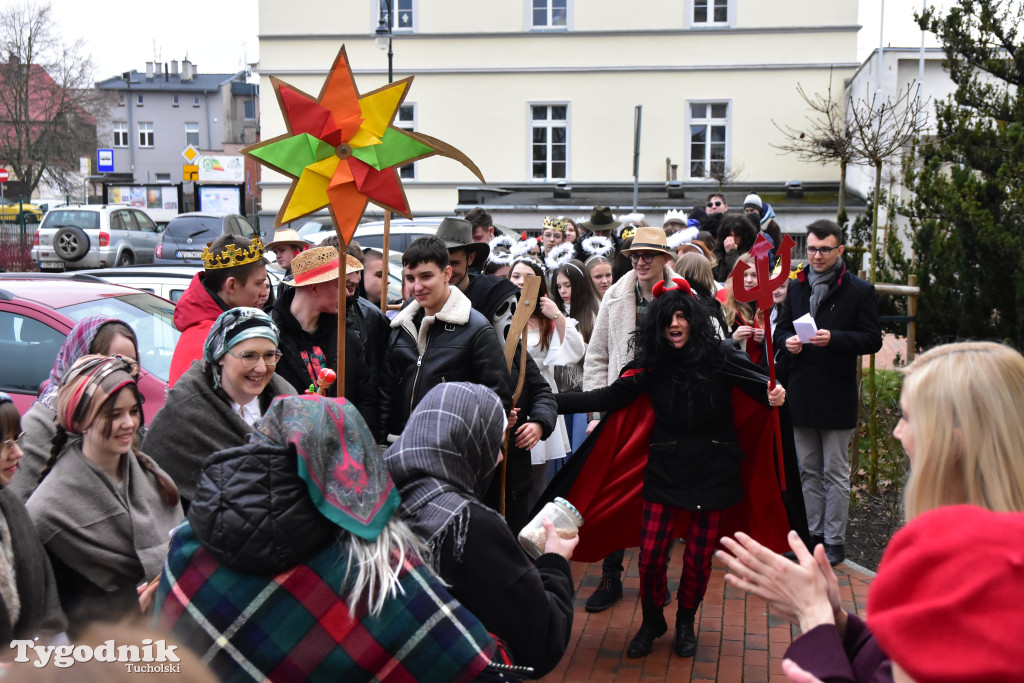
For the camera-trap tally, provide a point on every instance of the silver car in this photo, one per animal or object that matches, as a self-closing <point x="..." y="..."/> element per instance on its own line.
<point x="94" y="236"/>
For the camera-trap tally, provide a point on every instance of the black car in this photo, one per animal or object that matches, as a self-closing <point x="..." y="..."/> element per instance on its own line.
<point x="187" y="234"/>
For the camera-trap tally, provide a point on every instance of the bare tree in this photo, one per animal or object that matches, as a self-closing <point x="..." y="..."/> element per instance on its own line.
<point x="883" y="132"/>
<point x="723" y="174"/>
<point x="827" y="139"/>
<point x="47" y="98"/>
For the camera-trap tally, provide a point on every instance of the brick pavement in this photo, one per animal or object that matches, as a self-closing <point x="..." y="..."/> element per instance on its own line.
<point x="738" y="638"/>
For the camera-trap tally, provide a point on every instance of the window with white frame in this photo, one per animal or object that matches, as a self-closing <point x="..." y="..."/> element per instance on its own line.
<point x="145" y="134"/>
<point x="120" y="134"/>
<point x="174" y="100"/>
<point x="163" y="177"/>
<point x="138" y="100"/>
<point x="549" y="13"/>
<point x="122" y="99"/>
<point x="192" y="134"/>
<point x="406" y="120"/>
<point x="710" y="12"/>
<point x="195" y="100"/>
<point x="549" y="130"/>
<point x="403" y="15"/>
<point x="708" y="138"/>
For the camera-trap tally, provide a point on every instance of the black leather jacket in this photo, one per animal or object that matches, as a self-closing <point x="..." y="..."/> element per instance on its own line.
<point x="461" y="346"/>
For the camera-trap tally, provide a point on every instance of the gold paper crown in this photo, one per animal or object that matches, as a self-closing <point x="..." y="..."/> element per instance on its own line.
<point x="233" y="256"/>
<point x="559" y="224"/>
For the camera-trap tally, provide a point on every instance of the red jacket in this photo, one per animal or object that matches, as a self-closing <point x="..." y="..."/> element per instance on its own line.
<point x="194" y="315"/>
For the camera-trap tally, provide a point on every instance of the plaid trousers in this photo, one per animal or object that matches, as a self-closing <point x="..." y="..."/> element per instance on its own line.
<point x="659" y="521"/>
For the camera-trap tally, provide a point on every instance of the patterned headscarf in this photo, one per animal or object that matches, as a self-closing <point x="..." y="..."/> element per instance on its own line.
<point x="74" y="347"/>
<point x="232" y="327"/>
<point x="338" y="459"/>
<point x="445" y="458"/>
<point x="87" y="385"/>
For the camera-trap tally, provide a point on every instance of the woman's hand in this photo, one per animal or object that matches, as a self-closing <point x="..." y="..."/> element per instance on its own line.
<point x="549" y="308"/>
<point x="758" y="335"/>
<point x="797" y="674"/>
<point x="799" y="592"/>
<point x="777" y="396"/>
<point x="592" y="425"/>
<point x="743" y="332"/>
<point x="146" y="592"/>
<point x="528" y="435"/>
<point x="555" y="543"/>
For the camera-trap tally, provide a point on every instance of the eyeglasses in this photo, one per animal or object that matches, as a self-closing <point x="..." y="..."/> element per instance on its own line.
<point x="647" y="258"/>
<point x="251" y="359"/>
<point x="8" y="444"/>
<point x="714" y="204"/>
<point x="824" y="251"/>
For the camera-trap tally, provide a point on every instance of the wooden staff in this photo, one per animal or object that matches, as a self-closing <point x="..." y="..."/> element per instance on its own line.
<point x="342" y="296"/>
<point x="517" y="335"/>
<point x="384" y="265"/>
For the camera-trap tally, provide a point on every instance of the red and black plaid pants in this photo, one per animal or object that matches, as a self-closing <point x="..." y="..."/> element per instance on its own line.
<point x="659" y="521"/>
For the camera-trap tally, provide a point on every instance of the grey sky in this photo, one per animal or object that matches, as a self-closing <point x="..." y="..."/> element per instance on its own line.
<point x="220" y="35"/>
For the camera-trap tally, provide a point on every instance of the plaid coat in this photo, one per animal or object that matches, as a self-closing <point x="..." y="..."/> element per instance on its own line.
<point x="296" y="626"/>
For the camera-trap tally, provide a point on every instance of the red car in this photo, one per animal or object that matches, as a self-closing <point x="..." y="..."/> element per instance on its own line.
<point x="37" y="313"/>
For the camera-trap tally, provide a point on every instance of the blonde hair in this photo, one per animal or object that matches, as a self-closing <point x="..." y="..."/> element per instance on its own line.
<point x="375" y="567"/>
<point x="964" y="404"/>
<point x="695" y="268"/>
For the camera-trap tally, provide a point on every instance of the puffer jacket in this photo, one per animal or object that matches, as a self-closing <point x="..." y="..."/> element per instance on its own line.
<point x="284" y="530"/>
<point x="456" y="345"/>
<point x="194" y="315"/>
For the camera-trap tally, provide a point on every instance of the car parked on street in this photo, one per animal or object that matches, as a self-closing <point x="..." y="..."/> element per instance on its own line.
<point x="37" y="312"/>
<point x="187" y="234"/>
<point x="168" y="282"/>
<point x="402" y="232"/>
<point x="10" y="211"/>
<point x="94" y="236"/>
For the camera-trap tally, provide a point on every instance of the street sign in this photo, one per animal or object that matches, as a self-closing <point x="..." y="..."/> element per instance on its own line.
<point x="105" y="160"/>
<point x="190" y="153"/>
<point x="189" y="172"/>
<point x="4" y="175"/>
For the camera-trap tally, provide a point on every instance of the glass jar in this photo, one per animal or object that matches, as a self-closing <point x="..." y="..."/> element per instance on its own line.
<point x="566" y="518"/>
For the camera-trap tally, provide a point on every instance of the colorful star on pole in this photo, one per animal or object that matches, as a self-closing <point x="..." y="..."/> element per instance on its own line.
<point x="342" y="151"/>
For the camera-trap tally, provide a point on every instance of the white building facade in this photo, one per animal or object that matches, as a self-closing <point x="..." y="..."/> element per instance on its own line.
<point x="539" y="92"/>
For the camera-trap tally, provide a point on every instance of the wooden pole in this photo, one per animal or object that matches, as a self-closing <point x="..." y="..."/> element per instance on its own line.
<point x="384" y="265"/>
<point x="912" y="312"/>
<point x="342" y="296"/>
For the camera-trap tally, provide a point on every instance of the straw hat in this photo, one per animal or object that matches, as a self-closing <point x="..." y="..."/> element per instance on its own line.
<point x="286" y="236"/>
<point x="649" y="239"/>
<point x="320" y="264"/>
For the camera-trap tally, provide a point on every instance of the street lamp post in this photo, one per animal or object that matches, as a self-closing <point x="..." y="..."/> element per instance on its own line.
<point x="382" y="36"/>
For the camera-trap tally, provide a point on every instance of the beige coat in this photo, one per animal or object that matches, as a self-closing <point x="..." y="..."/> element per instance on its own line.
<point x="609" y="350"/>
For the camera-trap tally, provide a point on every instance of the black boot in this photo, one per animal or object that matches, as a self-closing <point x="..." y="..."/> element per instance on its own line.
<point x="654" y="626"/>
<point x="685" y="644"/>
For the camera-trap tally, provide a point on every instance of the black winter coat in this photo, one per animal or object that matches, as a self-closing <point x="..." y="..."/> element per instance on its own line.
<point x="460" y="346"/>
<point x="370" y="326"/>
<point x="284" y="529"/>
<point x="321" y="350"/>
<point x="694" y="459"/>
<point x="822" y="389"/>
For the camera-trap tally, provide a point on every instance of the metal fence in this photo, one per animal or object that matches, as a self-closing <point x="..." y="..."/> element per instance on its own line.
<point x="16" y="245"/>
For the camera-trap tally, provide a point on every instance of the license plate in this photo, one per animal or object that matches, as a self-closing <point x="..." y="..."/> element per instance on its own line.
<point x="189" y="254"/>
<point x="52" y="265"/>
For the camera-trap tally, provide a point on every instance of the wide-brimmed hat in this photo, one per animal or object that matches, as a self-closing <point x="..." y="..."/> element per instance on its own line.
<point x="649" y="239"/>
<point x="286" y="236"/>
<point x="320" y="264"/>
<point x="457" y="233"/>
<point x="602" y="219"/>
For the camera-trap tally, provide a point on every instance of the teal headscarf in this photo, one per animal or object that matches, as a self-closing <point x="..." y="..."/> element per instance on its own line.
<point x="344" y="472"/>
<point x="232" y="327"/>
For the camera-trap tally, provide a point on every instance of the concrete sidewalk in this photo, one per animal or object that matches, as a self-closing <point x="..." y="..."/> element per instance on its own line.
<point x="739" y="639"/>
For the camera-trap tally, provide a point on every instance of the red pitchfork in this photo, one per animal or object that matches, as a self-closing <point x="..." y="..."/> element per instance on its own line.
<point x="762" y="294"/>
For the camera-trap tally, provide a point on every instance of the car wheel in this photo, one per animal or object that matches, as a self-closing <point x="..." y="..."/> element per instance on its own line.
<point x="125" y="259"/>
<point x="71" y="243"/>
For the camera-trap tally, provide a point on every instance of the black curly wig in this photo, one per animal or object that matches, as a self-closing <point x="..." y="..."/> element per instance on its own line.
<point x="702" y="354"/>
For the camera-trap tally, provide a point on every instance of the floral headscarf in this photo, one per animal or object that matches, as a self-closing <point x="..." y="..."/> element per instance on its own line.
<point x="87" y="385"/>
<point x="338" y="459"/>
<point x="74" y="347"/>
<point x="232" y="327"/>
